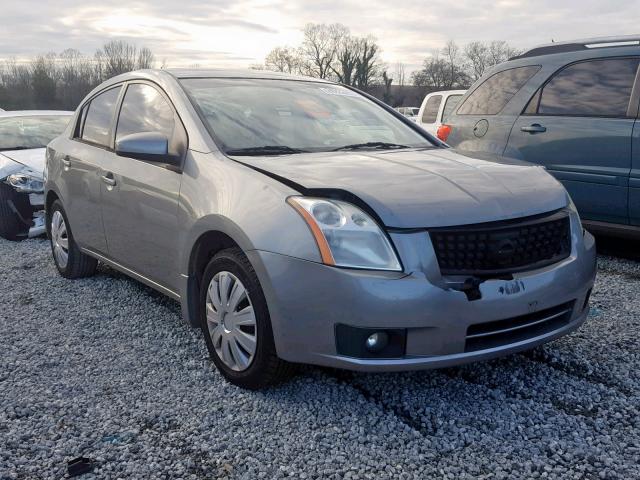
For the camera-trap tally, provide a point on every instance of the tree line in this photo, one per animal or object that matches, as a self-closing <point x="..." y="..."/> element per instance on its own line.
<point x="332" y="52"/>
<point x="327" y="51"/>
<point x="61" y="81"/>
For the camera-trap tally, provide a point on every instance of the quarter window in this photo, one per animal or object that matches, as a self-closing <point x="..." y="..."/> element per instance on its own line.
<point x="430" y="113"/>
<point x="598" y="88"/>
<point x="144" y="109"/>
<point x="496" y="91"/>
<point x="451" y="103"/>
<point x="97" y="123"/>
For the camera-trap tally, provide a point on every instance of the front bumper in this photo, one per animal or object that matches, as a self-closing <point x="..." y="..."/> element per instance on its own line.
<point x="308" y="300"/>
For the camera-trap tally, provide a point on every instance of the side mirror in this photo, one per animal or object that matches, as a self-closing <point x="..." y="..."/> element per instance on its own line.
<point x="149" y="146"/>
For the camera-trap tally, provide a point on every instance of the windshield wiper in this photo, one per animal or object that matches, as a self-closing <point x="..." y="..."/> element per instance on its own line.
<point x="19" y="147"/>
<point x="266" y="150"/>
<point x="371" y="145"/>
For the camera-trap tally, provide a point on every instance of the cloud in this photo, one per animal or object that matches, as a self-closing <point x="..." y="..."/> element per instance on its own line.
<point x="239" y="33"/>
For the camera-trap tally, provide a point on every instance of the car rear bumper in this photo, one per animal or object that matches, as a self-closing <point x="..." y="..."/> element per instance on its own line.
<point x="308" y="301"/>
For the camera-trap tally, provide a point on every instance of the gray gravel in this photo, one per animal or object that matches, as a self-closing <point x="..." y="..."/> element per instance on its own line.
<point x="105" y="368"/>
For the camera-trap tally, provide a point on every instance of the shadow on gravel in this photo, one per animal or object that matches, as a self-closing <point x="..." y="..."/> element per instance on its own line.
<point x="618" y="247"/>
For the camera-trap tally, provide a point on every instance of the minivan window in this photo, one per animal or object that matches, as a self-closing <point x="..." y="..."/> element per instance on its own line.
<point x="599" y="88"/>
<point x="430" y="113"/>
<point x="451" y="103"/>
<point x="144" y="109"/>
<point x="496" y="91"/>
<point x="247" y="114"/>
<point x="98" y="119"/>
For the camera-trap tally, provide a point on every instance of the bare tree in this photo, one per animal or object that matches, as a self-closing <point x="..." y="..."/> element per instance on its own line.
<point x="146" y="59"/>
<point x="43" y="81"/>
<point x="476" y="54"/>
<point x="346" y="63"/>
<point x="386" y="96"/>
<point x="77" y="77"/>
<point x="482" y="56"/>
<point x="283" y="59"/>
<point x="319" y="48"/>
<point x="117" y="57"/>
<point x="368" y="66"/>
<point x="400" y="74"/>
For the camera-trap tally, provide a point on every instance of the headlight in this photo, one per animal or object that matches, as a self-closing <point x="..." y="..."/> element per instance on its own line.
<point x="346" y="236"/>
<point x="23" y="182"/>
<point x="572" y="207"/>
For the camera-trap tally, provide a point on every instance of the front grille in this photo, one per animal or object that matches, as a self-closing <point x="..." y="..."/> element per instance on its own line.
<point x="482" y="336"/>
<point x="503" y="247"/>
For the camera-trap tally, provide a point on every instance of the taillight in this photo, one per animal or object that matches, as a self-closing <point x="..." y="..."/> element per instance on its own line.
<point x="443" y="132"/>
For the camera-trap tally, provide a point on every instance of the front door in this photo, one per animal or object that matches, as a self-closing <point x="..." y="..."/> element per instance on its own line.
<point x="579" y="125"/>
<point x="140" y="198"/>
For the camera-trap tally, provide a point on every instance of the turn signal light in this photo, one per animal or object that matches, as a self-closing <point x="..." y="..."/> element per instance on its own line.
<point x="443" y="132"/>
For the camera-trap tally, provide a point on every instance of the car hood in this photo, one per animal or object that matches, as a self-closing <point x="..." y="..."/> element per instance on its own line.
<point x="12" y="161"/>
<point x="425" y="187"/>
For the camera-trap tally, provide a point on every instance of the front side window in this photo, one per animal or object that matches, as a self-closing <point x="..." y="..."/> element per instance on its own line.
<point x="144" y="109"/>
<point x="600" y="88"/>
<point x="98" y="118"/>
<point x="430" y="113"/>
<point x="33" y="131"/>
<point x="245" y="114"/>
<point x="496" y="91"/>
<point x="451" y="103"/>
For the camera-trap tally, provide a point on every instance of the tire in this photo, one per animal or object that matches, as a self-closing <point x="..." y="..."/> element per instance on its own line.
<point x="230" y="268"/>
<point x="11" y="227"/>
<point x="78" y="264"/>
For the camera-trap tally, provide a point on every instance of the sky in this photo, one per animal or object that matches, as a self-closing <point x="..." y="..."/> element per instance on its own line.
<point x="221" y="33"/>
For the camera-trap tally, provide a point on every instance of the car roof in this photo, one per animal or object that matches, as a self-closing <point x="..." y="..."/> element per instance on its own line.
<point x="33" y="113"/>
<point x="580" y="45"/>
<point x="238" y="73"/>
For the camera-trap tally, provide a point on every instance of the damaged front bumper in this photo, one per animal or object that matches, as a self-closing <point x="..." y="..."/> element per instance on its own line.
<point x="31" y="184"/>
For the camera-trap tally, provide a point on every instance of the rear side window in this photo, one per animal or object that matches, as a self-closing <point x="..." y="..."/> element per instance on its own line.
<point x="430" y="113"/>
<point x="98" y="118"/>
<point x="597" y="88"/>
<point x="496" y="91"/>
<point x="451" y="103"/>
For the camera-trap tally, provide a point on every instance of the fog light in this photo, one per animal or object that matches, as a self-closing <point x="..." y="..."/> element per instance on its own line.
<point x="377" y="341"/>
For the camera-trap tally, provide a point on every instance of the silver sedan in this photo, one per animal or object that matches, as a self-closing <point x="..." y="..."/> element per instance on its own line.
<point x="301" y="221"/>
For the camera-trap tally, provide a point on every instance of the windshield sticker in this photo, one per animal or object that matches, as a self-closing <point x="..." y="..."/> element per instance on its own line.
<point x="343" y="92"/>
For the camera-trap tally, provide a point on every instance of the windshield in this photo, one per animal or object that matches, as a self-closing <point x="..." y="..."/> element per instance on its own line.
<point x="25" y="132"/>
<point x="295" y="116"/>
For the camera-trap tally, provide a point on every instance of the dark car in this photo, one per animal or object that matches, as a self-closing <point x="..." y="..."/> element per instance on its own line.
<point x="573" y="108"/>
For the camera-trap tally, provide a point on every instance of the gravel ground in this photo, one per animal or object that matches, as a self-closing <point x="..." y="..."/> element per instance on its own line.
<point x="105" y="368"/>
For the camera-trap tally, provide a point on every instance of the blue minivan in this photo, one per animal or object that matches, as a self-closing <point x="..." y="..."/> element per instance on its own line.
<point x="573" y="108"/>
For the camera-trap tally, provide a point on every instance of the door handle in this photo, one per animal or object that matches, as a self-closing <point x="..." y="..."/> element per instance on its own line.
<point x="108" y="179"/>
<point x="66" y="162"/>
<point x="535" y="128"/>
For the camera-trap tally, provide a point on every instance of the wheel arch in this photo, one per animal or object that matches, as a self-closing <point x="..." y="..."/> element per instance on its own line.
<point x="207" y="243"/>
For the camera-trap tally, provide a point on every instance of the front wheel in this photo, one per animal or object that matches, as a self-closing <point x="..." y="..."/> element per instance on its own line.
<point x="236" y="324"/>
<point x="69" y="259"/>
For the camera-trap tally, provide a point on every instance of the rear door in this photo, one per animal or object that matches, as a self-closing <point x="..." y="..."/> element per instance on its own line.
<point x="482" y="123"/>
<point x="634" y="179"/>
<point x="579" y="126"/>
<point x="140" y="198"/>
<point x="80" y="182"/>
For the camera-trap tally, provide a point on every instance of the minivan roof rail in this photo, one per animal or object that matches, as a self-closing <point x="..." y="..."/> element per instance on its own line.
<point x="583" y="44"/>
